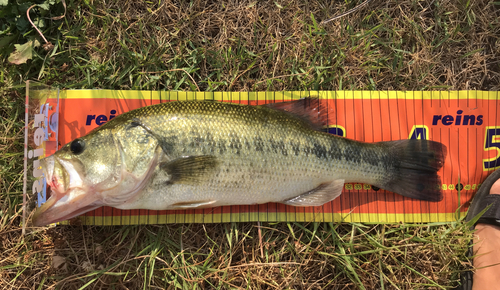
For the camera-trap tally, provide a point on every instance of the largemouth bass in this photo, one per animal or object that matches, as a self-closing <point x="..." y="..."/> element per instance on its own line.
<point x="197" y="154"/>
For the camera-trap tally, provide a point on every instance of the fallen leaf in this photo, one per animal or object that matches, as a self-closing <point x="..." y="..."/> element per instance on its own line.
<point x="98" y="249"/>
<point x="48" y="46"/>
<point x="59" y="262"/>
<point x="23" y="52"/>
<point x="87" y="266"/>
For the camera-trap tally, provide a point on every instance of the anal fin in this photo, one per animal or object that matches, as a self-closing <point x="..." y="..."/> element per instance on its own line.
<point x="320" y="195"/>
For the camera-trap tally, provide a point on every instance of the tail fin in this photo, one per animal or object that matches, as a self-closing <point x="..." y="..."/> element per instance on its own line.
<point x="416" y="163"/>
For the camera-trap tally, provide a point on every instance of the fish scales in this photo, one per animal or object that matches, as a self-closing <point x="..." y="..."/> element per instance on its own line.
<point x="197" y="154"/>
<point x="263" y="154"/>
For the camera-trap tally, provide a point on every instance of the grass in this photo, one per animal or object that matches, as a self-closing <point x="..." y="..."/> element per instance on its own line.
<point x="243" y="46"/>
<point x="404" y="45"/>
<point x="227" y="256"/>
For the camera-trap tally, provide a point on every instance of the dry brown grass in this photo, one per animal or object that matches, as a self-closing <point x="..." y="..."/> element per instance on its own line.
<point x="232" y="256"/>
<point x="394" y="45"/>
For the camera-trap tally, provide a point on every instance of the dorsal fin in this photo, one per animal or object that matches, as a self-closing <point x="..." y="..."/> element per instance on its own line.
<point x="309" y="109"/>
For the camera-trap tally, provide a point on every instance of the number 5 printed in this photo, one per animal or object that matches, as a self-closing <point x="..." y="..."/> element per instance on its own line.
<point x="492" y="142"/>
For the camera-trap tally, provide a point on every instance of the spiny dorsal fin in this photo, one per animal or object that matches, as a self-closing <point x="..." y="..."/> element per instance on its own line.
<point x="189" y="169"/>
<point x="309" y="109"/>
<point x="322" y="194"/>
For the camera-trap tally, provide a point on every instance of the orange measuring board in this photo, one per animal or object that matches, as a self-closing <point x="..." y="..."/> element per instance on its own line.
<point x="467" y="122"/>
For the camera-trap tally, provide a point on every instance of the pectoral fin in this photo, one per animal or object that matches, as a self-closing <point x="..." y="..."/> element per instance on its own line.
<point x="190" y="169"/>
<point x="322" y="194"/>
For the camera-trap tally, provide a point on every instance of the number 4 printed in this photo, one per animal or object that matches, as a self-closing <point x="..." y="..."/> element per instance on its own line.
<point x="419" y="132"/>
<point x="492" y="142"/>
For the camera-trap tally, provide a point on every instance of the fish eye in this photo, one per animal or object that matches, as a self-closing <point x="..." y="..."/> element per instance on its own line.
<point x="77" y="146"/>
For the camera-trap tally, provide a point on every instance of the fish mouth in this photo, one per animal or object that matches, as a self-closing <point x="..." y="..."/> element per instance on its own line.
<point x="54" y="211"/>
<point x="69" y="197"/>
